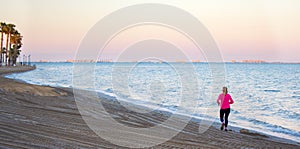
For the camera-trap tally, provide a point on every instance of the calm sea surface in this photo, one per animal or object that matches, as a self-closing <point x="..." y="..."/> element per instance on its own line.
<point x="267" y="96"/>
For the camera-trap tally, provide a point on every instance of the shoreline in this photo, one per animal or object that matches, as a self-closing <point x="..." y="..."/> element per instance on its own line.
<point x="55" y="109"/>
<point x="5" y="70"/>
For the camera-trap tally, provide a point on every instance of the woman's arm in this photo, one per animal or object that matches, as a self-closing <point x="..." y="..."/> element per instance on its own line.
<point x="231" y="100"/>
<point x="219" y="100"/>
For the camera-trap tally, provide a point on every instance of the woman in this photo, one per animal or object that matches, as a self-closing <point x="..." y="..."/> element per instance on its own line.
<point x="224" y="100"/>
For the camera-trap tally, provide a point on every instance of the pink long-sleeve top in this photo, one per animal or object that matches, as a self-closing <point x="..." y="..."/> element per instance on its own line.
<point x="225" y="101"/>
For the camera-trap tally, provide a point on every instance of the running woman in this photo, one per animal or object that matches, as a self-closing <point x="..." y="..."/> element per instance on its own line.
<point x="224" y="100"/>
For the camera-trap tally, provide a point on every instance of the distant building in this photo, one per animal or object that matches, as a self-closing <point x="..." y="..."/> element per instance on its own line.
<point x="253" y="61"/>
<point x="70" y="60"/>
<point x="81" y="61"/>
<point x="90" y="61"/>
<point x="196" y="61"/>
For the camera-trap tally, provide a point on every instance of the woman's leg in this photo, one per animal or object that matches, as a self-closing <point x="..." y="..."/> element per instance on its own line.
<point x="222" y="112"/>
<point x="227" y="111"/>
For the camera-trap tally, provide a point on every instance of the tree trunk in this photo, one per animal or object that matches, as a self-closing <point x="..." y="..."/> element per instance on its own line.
<point x="6" y="55"/>
<point x="14" y="61"/>
<point x="9" y="60"/>
<point x="10" y="53"/>
<point x="1" y="49"/>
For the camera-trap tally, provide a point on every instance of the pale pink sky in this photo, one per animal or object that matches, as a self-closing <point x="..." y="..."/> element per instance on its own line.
<point x="243" y="29"/>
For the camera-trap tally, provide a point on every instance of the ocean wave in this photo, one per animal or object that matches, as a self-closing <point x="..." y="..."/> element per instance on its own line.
<point x="272" y="127"/>
<point x="288" y="114"/>
<point x="234" y="111"/>
<point x="109" y="90"/>
<point x="298" y="97"/>
<point x="272" y="90"/>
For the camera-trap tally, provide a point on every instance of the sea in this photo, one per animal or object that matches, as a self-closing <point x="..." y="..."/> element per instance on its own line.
<point x="266" y="95"/>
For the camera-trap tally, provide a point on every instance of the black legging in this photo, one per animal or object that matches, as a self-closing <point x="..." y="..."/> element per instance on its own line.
<point x="226" y="112"/>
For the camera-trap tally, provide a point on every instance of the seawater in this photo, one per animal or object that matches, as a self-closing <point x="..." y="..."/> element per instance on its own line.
<point x="267" y="96"/>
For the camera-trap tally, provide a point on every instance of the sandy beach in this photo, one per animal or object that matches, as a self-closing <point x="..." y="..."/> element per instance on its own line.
<point x="35" y="116"/>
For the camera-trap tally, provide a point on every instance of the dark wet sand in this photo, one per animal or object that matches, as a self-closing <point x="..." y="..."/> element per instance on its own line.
<point x="35" y="116"/>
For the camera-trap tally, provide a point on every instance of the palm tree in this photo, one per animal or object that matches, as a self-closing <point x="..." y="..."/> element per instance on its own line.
<point x="2" y="24"/>
<point x="3" y="51"/>
<point x="8" y="30"/>
<point x="5" y="30"/>
<point x="11" y="51"/>
<point x="16" y="42"/>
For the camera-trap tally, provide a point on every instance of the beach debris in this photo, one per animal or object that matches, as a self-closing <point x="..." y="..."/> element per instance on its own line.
<point x="247" y="132"/>
<point x="244" y="131"/>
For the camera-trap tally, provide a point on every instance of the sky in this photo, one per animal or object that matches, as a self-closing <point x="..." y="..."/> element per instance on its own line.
<point x="243" y="29"/>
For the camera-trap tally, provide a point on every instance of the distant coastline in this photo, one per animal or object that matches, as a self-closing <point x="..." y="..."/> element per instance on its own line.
<point x="226" y="62"/>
